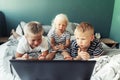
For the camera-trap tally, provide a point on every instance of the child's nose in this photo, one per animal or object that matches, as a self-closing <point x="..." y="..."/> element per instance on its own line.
<point x="36" y="42"/>
<point x="80" y="42"/>
<point x="61" y="27"/>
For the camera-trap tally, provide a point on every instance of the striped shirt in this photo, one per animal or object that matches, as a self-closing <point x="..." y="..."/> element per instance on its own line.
<point x="95" y="48"/>
<point x="60" y="39"/>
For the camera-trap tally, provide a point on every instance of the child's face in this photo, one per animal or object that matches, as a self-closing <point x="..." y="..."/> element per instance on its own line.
<point x="83" y="39"/>
<point x="61" y="24"/>
<point x="34" y="40"/>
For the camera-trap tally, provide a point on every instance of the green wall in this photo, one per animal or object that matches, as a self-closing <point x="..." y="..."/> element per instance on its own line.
<point x="97" y="12"/>
<point x="115" y="27"/>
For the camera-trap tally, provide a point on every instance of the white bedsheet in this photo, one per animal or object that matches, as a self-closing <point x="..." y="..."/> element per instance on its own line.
<point x="106" y="68"/>
<point x="7" y="52"/>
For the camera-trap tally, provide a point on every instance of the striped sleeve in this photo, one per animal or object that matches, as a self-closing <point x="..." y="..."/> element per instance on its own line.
<point x="98" y="49"/>
<point x="73" y="48"/>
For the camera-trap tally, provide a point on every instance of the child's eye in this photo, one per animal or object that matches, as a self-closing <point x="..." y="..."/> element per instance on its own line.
<point x="82" y="39"/>
<point x="59" y="24"/>
<point x="63" y="25"/>
<point x="39" y="39"/>
<point x="33" y="40"/>
<point x="77" y="38"/>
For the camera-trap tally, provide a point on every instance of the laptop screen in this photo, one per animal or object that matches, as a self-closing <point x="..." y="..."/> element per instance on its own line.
<point x="53" y="70"/>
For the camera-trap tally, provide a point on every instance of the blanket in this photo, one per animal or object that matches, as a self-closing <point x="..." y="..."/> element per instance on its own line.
<point x="107" y="66"/>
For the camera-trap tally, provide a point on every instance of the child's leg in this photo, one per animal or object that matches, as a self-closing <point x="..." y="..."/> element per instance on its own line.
<point x="66" y="55"/>
<point x="15" y="34"/>
<point x="50" y="56"/>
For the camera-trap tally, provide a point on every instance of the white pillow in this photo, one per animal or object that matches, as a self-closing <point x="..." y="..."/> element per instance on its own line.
<point x="46" y="29"/>
<point x="71" y="27"/>
<point x="20" y="28"/>
<point x="105" y="46"/>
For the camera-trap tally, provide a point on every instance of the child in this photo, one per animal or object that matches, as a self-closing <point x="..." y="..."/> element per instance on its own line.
<point x="59" y="37"/>
<point x="85" y="46"/>
<point x="32" y="43"/>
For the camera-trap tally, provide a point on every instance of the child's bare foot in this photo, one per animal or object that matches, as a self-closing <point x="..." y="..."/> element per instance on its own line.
<point x="41" y="57"/>
<point x="15" y="34"/>
<point x="50" y="56"/>
<point x="68" y="58"/>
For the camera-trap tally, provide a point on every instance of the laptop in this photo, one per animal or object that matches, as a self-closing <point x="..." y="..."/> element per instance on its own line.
<point x="53" y="70"/>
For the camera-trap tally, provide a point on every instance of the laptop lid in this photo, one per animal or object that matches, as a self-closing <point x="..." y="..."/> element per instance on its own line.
<point x="53" y="70"/>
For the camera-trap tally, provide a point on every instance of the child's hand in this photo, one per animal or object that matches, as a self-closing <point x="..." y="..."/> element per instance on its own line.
<point x="61" y="46"/>
<point x="83" y="55"/>
<point x="24" y="57"/>
<point x="55" y="48"/>
<point x="41" y="57"/>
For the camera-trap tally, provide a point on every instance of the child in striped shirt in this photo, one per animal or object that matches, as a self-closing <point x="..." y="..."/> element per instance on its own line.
<point x="85" y="45"/>
<point x="59" y="38"/>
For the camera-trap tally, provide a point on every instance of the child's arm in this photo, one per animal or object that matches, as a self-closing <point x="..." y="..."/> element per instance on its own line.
<point x="98" y="50"/>
<point x="67" y="43"/>
<point x="21" y="56"/>
<point x="53" y="45"/>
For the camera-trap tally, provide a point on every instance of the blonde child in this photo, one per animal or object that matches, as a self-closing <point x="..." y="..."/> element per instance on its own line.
<point x="85" y="45"/>
<point x="59" y="37"/>
<point x="32" y="45"/>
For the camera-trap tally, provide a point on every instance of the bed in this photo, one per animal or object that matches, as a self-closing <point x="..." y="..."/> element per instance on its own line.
<point x="107" y="66"/>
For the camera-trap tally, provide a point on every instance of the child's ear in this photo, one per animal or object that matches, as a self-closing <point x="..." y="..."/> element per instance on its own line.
<point x="92" y="37"/>
<point x="25" y="35"/>
<point x="42" y="32"/>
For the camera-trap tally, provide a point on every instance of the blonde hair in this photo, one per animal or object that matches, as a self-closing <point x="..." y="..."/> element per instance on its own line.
<point x="59" y="16"/>
<point x="85" y="27"/>
<point x="33" y="27"/>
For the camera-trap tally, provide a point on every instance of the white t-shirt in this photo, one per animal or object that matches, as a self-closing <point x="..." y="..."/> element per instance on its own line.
<point x="24" y="47"/>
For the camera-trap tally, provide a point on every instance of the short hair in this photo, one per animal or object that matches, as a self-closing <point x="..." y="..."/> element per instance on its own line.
<point x="64" y="16"/>
<point x="85" y="26"/>
<point x="33" y="27"/>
